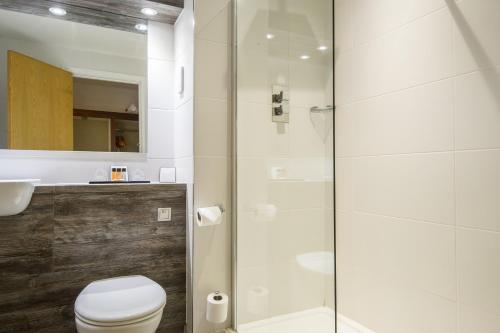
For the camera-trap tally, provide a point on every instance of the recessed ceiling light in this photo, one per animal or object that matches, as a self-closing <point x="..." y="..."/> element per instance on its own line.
<point x="149" y="11"/>
<point x="322" y="48"/>
<point x="269" y="36"/>
<point x="304" y="57"/>
<point x="58" y="11"/>
<point x="141" y="27"/>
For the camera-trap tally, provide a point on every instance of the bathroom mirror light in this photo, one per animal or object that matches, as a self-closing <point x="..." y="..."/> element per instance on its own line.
<point x="141" y="27"/>
<point x="58" y="11"/>
<point x="304" y="57"/>
<point x="322" y="48"/>
<point x="149" y="11"/>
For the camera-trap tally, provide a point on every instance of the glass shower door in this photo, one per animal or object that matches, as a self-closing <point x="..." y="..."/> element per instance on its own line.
<point x="284" y="244"/>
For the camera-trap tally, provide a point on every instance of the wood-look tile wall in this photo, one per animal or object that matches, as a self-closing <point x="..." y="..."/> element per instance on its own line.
<point x="70" y="236"/>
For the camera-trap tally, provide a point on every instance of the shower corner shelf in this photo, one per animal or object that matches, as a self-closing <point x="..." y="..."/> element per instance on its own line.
<point x="317" y="109"/>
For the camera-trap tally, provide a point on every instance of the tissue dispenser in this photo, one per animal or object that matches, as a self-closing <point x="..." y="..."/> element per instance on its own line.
<point x="209" y="216"/>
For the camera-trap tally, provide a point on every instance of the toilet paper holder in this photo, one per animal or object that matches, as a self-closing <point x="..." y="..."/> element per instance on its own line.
<point x="221" y="207"/>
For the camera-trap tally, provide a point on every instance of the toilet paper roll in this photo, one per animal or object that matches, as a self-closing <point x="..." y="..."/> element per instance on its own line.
<point x="209" y="216"/>
<point x="217" y="304"/>
<point x="258" y="300"/>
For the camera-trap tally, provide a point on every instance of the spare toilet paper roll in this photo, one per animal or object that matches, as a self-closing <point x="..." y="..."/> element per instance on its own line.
<point x="258" y="300"/>
<point x="217" y="304"/>
<point x="209" y="216"/>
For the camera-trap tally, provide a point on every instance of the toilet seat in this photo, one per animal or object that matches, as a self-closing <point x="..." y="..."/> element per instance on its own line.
<point x="119" y="323"/>
<point x="120" y="301"/>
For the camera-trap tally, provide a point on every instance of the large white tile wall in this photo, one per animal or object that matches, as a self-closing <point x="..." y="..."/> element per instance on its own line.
<point x="212" y="172"/>
<point x="417" y="159"/>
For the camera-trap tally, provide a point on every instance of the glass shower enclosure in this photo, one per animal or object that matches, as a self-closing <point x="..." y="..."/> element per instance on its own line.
<point x="284" y="234"/>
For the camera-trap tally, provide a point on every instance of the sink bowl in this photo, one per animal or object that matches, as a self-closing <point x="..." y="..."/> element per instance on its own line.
<point x="15" y="195"/>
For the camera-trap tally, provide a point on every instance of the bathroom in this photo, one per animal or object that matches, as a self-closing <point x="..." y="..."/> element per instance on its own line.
<point x="251" y="166"/>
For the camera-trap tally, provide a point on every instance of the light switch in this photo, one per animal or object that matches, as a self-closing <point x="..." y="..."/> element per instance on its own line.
<point x="164" y="214"/>
<point x="167" y="175"/>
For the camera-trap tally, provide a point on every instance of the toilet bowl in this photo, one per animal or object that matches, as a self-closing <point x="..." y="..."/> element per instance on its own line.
<point x="130" y="304"/>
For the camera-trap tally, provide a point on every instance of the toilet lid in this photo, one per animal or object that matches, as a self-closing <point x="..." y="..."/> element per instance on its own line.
<point x="120" y="299"/>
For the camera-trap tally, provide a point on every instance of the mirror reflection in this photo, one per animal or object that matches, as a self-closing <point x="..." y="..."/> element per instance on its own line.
<point x="71" y="86"/>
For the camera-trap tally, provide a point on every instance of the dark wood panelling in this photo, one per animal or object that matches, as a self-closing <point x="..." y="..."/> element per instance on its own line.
<point x="72" y="235"/>
<point x="115" y="14"/>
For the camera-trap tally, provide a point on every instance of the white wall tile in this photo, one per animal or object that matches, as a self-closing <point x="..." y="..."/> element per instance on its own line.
<point x="472" y="320"/>
<point x="479" y="270"/>
<point x="206" y="10"/>
<point x="217" y="30"/>
<point x="343" y="184"/>
<point x="184" y="33"/>
<point x="211" y="181"/>
<point x="161" y="127"/>
<point x="161" y="84"/>
<point x="308" y="132"/>
<point x="477" y="120"/>
<point x="184" y="174"/>
<point x="343" y="131"/>
<point x="343" y="26"/>
<point x="396" y="52"/>
<point x="396" y="123"/>
<point x="418" y="186"/>
<point x="405" y="252"/>
<point x="393" y="308"/>
<point x="345" y="80"/>
<point x="474" y="34"/>
<point x="211" y="127"/>
<point x="160" y="41"/>
<point x="300" y="194"/>
<point x="373" y="19"/>
<point x="183" y="131"/>
<point x="273" y="139"/>
<point x="308" y="80"/>
<point x="478" y="189"/>
<point x="383" y="49"/>
<point x="212" y="64"/>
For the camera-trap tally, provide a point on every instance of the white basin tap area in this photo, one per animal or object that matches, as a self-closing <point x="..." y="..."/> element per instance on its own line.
<point x="15" y="195"/>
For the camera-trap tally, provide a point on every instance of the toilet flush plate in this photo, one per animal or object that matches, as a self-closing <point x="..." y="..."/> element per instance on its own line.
<point x="164" y="214"/>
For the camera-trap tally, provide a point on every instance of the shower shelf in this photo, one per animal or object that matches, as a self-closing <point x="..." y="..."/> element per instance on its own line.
<point x="316" y="109"/>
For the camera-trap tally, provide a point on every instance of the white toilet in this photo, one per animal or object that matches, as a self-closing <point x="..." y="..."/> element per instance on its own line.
<point x="130" y="304"/>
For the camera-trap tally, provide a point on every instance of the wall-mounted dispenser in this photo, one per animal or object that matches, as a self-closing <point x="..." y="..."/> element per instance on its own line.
<point x="280" y="104"/>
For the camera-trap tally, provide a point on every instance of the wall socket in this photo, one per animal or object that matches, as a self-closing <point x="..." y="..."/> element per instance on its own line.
<point x="164" y="214"/>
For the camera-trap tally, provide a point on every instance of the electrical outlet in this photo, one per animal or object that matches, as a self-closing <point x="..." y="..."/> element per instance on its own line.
<point x="164" y="214"/>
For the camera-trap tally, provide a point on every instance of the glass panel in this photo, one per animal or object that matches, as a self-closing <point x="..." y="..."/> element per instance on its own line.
<point x="285" y="221"/>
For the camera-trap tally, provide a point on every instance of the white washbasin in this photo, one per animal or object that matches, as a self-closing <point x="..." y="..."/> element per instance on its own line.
<point x="15" y="195"/>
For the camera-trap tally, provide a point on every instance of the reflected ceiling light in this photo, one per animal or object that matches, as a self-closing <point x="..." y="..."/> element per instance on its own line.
<point x="269" y="36"/>
<point x="149" y="11"/>
<point x="141" y="27"/>
<point x="322" y="48"/>
<point x="304" y="57"/>
<point x="57" y="11"/>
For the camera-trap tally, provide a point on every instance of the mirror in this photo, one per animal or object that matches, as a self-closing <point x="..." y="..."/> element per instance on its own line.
<point x="74" y="77"/>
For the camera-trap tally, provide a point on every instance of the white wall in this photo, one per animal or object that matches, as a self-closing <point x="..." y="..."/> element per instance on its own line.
<point x="417" y="160"/>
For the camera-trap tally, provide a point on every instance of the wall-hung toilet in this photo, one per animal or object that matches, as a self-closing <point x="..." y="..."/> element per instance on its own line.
<point x="131" y="304"/>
